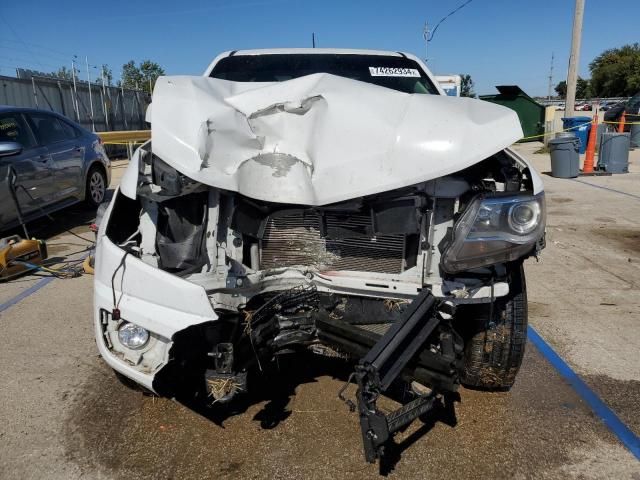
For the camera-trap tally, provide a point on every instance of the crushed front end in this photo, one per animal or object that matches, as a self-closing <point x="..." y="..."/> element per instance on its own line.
<point x="199" y="283"/>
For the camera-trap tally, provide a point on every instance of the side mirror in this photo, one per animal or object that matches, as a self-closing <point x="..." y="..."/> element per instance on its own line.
<point x="9" y="148"/>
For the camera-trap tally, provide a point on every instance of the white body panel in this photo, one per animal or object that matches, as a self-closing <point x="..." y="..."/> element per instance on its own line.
<point x="313" y="140"/>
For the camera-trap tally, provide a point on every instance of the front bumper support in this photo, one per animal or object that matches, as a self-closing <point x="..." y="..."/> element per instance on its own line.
<point x="376" y="372"/>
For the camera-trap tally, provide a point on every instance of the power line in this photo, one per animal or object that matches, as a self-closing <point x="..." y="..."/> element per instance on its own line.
<point x="429" y="37"/>
<point x="24" y="60"/>
<point x="49" y="52"/>
<point x="20" y="39"/>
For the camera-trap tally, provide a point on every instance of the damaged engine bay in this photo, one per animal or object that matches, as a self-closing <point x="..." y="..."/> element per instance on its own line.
<point x="285" y="277"/>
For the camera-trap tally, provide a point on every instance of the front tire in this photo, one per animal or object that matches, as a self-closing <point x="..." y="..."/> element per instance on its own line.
<point x="96" y="188"/>
<point x="494" y="347"/>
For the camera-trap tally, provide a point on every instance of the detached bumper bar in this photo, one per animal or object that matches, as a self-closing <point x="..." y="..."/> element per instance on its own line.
<point x="395" y="354"/>
<point x="382" y="365"/>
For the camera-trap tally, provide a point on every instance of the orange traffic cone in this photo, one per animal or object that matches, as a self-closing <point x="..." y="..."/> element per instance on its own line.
<point x="591" y="147"/>
<point x="621" y="124"/>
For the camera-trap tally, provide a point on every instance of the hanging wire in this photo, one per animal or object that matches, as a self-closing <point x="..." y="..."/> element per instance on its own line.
<point x="433" y="32"/>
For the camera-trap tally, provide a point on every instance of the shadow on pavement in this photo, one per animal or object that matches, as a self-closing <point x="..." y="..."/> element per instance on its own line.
<point x="277" y="386"/>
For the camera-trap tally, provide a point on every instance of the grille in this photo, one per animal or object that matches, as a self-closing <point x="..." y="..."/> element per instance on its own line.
<point x="294" y="239"/>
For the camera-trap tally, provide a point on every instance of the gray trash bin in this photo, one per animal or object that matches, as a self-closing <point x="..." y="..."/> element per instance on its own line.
<point x="635" y="135"/>
<point x="613" y="156"/>
<point x="565" y="156"/>
<point x="566" y="135"/>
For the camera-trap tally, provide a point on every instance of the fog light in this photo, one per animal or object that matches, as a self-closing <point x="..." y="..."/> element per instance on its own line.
<point x="133" y="336"/>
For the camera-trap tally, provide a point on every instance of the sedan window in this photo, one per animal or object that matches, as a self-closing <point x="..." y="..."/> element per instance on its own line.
<point x="49" y="129"/>
<point x="13" y="128"/>
<point x="71" y="131"/>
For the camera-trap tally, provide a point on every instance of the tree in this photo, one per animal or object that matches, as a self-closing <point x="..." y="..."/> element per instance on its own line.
<point x="108" y="74"/>
<point x="583" y="89"/>
<point x="63" y="73"/>
<point x="466" y="86"/>
<point x="143" y="77"/>
<point x="616" y="72"/>
<point x="131" y="76"/>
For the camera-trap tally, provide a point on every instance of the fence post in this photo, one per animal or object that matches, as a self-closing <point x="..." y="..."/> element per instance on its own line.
<point x="60" y="94"/>
<point x="35" y="95"/>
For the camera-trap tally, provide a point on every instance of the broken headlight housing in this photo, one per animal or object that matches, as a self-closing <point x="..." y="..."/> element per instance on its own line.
<point x="494" y="230"/>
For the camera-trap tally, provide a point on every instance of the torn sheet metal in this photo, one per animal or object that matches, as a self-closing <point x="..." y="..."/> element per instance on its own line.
<point x="321" y="138"/>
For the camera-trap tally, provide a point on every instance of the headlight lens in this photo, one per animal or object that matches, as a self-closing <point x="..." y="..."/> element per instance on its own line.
<point x="133" y="336"/>
<point x="524" y="217"/>
<point x="494" y="230"/>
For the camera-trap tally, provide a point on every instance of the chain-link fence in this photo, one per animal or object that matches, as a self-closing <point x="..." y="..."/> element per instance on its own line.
<point x="95" y="107"/>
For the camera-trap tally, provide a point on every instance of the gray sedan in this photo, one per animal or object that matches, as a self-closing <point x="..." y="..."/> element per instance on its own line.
<point x="56" y="163"/>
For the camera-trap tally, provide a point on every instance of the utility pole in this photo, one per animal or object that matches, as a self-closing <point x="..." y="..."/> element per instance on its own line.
<point x="75" y="90"/>
<point x="550" y="78"/>
<point x="425" y="35"/>
<point x="574" y="59"/>
<point x="105" y="109"/>
<point x="93" y="125"/>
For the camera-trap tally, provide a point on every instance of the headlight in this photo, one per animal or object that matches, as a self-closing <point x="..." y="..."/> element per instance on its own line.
<point x="494" y="230"/>
<point x="133" y="336"/>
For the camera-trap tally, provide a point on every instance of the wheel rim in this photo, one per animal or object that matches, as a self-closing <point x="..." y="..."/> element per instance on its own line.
<point x="96" y="187"/>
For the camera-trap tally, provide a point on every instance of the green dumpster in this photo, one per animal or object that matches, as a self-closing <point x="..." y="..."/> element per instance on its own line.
<point x="530" y="112"/>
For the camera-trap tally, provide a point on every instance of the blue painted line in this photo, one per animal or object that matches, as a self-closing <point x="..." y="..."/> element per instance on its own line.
<point x="24" y="294"/>
<point x="608" y="417"/>
<point x="637" y="197"/>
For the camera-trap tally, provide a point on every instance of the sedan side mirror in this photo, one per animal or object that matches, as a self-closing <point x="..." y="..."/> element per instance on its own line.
<point x="9" y="148"/>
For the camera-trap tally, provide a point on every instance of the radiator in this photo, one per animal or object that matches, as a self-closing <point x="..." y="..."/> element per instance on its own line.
<point x="295" y="239"/>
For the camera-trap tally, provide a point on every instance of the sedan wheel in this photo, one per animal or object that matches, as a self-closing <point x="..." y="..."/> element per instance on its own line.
<point x="96" y="187"/>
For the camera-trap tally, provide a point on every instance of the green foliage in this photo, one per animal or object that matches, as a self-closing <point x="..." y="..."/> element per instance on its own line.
<point x="616" y="72"/>
<point x="62" y="72"/>
<point x="561" y="89"/>
<point x="583" y="89"/>
<point x="466" y="86"/>
<point x="108" y="74"/>
<point x="143" y="76"/>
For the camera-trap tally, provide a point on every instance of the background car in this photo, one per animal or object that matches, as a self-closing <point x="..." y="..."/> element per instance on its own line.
<point x="582" y="107"/>
<point x="631" y="108"/>
<point x="57" y="163"/>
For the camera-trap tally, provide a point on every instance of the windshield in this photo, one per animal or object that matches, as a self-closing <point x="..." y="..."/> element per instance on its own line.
<point x="398" y="73"/>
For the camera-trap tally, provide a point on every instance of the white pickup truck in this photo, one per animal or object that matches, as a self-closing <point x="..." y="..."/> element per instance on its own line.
<point x="319" y="198"/>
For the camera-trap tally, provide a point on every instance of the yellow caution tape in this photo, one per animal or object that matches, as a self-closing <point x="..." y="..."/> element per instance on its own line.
<point x="125" y="136"/>
<point x="574" y="127"/>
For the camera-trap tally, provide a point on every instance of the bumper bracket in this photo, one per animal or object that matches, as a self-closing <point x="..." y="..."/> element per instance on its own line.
<point x="385" y="361"/>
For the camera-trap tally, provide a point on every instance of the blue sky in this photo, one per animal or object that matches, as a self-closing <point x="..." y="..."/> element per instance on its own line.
<point x="496" y="41"/>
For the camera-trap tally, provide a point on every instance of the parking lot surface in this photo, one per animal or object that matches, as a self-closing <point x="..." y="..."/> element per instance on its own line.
<point x="63" y="414"/>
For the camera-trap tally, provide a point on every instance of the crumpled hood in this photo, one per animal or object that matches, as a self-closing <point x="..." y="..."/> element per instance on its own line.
<point x="321" y="138"/>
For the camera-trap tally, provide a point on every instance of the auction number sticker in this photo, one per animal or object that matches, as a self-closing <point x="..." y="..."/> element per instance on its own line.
<point x="393" y="72"/>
